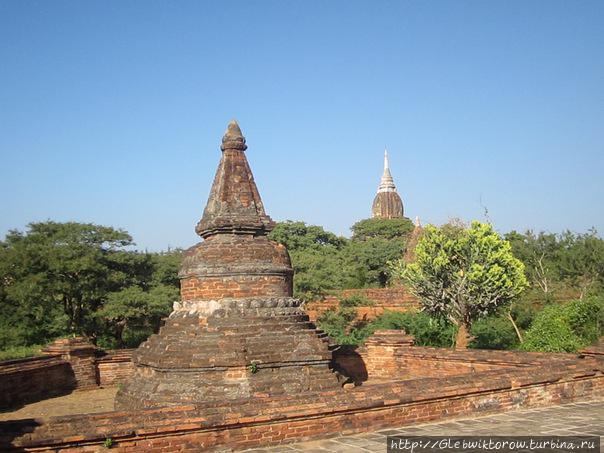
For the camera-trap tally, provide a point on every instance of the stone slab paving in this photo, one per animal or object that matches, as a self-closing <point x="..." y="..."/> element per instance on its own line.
<point x="586" y="418"/>
<point x="82" y="402"/>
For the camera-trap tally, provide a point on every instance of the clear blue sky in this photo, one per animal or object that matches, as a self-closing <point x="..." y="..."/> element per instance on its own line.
<point x="112" y="111"/>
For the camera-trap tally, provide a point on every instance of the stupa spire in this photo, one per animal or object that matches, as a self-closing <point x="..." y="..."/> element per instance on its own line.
<point x="387" y="182"/>
<point x="387" y="203"/>
<point x="234" y="204"/>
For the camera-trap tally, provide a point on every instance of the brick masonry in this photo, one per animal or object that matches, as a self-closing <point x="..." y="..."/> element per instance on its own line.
<point x="37" y="378"/>
<point x="114" y="367"/>
<point x="395" y="299"/>
<point x="236" y="333"/>
<point x="515" y="380"/>
<point x="32" y="379"/>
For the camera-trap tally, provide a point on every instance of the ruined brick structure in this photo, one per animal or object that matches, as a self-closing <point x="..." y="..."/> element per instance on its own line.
<point x="237" y="332"/>
<point x="239" y="365"/>
<point x="387" y="203"/>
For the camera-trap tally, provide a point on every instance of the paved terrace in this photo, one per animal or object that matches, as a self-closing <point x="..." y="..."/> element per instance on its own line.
<point x="568" y="420"/>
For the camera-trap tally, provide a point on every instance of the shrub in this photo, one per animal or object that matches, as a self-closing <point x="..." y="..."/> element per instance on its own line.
<point x="586" y="318"/>
<point x="337" y="324"/>
<point x="567" y="327"/>
<point x="20" y="352"/>
<point x="427" y="330"/>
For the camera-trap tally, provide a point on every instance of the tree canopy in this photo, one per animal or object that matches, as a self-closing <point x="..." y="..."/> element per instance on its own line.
<point x="323" y="261"/>
<point x="464" y="274"/>
<point x="56" y="278"/>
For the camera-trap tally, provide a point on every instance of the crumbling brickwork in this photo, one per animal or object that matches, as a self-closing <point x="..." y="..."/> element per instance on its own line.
<point x="237" y="332"/>
<point x="397" y="298"/>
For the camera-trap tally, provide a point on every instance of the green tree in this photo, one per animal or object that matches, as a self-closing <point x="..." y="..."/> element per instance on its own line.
<point x="64" y="278"/>
<point x="382" y="228"/>
<point x="135" y="310"/>
<point x="559" y="264"/>
<point x="57" y="274"/>
<point x="316" y="257"/>
<point x="375" y="243"/>
<point x="463" y="274"/>
<point x="493" y="332"/>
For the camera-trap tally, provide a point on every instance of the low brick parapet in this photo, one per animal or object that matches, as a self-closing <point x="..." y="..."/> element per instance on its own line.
<point x="265" y="421"/>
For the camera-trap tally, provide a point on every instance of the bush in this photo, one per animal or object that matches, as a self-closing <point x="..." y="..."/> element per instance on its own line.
<point x="337" y="324"/>
<point x="586" y="318"/>
<point x="566" y="328"/>
<point x="20" y="352"/>
<point x="493" y="332"/>
<point x="427" y="330"/>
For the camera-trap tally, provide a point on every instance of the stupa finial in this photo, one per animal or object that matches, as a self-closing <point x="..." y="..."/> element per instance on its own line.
<point x="234" y="204"/>
<point x="233" y="138"/>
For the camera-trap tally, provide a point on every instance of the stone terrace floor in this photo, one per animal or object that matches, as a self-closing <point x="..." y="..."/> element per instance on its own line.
<point x="568" y="420"/>
<point x="83" y="402"/>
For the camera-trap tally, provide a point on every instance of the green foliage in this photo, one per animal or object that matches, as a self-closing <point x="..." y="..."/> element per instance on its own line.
<point x="558" y="262"/>
<point x="70" y="278"/>
<point x="136" y="311"/>
<point x="586" y="318"/>
<point x="300" y="236"/>
<point x="427" y="330"/>
<point x="566" y="327"/>
<point x="343" y="327"/>
<point x="375" y="243"/>
<point x="253" y="367"/>
<point x="108" y="443"/>
<point x="316" y="257"/>
<point x="356" y="300"/>
<point x="493" y="332"/>
<point x="323" y="261"/>
<point x="20" y="352"/>
<point x="464" y="273"/>
<point x="382" y="228"/>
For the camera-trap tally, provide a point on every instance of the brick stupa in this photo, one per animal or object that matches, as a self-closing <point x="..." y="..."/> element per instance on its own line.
<point x="237" y="333"/>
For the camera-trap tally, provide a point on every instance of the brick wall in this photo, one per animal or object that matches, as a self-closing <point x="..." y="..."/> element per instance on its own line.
<point x="37" y="378"/>
<point x="114" y="367"/>
<point x="315" y="415"/>
<point x="389" y="354"/>
<point x="33" y="379"/>
<point x="395" y="299"/>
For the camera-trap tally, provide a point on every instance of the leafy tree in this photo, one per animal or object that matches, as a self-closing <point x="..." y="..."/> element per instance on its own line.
<point x="426" y="330"/>
<point x="135" y="309"/>
<point x="316" y="257"/>
<point x="381" y="228"/>
<point x="300" y="236"/>
<point x="57" y="274"/>
<point x="558" y="262"/>
<point x="64" y="278"/>
<point x="464" y="274"/>
<point x="375" y="243"/>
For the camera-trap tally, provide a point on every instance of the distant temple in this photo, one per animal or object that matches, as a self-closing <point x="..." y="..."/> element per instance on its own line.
<point x="387" y="203"/>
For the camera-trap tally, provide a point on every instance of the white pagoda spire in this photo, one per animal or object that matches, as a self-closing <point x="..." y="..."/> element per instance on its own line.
<point x="386" y="183"/>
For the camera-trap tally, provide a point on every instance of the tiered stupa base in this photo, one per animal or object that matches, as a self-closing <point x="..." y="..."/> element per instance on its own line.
<point x="229" y="350"/>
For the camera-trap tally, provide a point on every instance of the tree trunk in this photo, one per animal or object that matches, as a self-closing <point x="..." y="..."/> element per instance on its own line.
<point x="462" y="339"/>
<point x="518" y="334"/>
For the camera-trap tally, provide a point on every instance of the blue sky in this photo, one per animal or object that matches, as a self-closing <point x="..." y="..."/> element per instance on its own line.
<point x="112" y="111"/>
